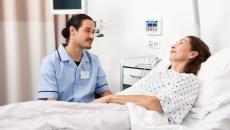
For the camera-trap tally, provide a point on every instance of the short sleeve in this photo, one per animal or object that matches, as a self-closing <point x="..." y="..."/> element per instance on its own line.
<point x="47" y="81"/>
<point x="101" y="82"/>
<point x="177" y="100"/>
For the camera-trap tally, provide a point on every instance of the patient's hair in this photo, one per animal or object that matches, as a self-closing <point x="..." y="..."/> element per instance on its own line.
<point x="198" y="45"/>
<point x="76" y="22"/>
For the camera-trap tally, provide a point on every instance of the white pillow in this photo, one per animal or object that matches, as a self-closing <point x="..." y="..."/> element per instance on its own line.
<point x="214" y="79"/>
<point x="163" y="64"/>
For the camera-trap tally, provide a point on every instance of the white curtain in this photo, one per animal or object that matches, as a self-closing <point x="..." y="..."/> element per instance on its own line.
<point x="26" y="36"/>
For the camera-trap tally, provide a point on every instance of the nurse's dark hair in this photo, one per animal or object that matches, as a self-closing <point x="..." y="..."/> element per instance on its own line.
<point x="76" y="22"/>
<point x="194" y="64"/>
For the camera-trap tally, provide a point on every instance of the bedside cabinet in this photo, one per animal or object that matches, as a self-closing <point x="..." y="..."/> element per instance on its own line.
<point x="133" y="69"/>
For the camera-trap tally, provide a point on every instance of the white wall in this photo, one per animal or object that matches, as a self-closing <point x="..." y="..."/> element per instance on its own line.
<point x="125" y="29"/>
<point x="215" y="23"/>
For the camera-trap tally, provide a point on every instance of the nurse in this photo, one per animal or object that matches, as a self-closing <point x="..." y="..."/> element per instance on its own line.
<point x="71" y="73"/>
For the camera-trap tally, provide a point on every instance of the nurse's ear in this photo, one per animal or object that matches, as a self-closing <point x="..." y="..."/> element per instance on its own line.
<point x="72" y="30"/>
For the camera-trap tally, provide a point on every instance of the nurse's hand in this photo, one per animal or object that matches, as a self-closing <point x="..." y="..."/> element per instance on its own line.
<point x="105" y="99"/>
<point x="51" y="99"/>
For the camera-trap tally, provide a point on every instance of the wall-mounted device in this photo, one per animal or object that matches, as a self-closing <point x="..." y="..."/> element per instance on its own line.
<point x="153" y="26"/>
<point x="155" y="44"/>
<point x="68" y="6"/>
<point x="99" y="24"/>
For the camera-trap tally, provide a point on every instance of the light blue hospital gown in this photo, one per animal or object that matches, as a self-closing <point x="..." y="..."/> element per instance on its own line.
<point x="177" y="92"/>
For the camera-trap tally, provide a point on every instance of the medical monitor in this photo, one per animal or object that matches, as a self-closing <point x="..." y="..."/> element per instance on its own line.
<point x="68" y="6"/>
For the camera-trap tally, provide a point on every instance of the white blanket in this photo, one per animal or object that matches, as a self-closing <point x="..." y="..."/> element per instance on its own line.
<point x="42" y="115"/>
<point x="143" y="119"/>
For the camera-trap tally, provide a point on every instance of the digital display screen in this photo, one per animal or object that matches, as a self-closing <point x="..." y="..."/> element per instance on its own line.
<point x="67" y="4"/>
<point x="151" y="25"/>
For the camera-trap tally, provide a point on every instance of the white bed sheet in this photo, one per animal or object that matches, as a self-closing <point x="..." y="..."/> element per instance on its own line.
<point x="42" y="115"/>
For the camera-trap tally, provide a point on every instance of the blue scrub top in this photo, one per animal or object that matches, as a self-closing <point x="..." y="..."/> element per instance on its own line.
<point x="62" y="79"/>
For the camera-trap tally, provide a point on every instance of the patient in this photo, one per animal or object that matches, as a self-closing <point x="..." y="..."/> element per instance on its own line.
<point x="172" y="91"/>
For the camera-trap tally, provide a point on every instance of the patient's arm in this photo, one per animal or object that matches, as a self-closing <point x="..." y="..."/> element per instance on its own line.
<point x="148" y="102"/>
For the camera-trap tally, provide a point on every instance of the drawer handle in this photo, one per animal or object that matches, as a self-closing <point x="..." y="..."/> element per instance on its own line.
<point x="135" y="76"/>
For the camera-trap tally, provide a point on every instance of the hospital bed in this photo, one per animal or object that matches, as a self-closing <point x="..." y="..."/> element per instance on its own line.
<point x="211" y="110"/>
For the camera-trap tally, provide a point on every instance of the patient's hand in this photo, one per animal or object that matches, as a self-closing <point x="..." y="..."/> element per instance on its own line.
<point x="104" y="99"/>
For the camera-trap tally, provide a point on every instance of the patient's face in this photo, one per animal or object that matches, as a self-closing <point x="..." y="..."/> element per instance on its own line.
<point x="181" y="50"/>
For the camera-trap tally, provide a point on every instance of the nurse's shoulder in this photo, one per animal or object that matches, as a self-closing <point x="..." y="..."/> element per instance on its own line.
<point x="49" y="61"/>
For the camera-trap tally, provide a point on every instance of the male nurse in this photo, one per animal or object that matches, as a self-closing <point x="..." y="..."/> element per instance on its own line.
<point x="71" y="73"/>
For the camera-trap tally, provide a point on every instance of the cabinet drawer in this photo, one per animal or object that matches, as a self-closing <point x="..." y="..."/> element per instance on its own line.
<point x="132" y="75"/>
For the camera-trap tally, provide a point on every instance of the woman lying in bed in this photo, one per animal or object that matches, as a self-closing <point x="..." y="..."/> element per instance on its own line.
<point x="172" y="91"/>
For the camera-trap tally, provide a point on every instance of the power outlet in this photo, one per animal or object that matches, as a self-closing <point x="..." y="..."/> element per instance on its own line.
<point x="154" y="44"/>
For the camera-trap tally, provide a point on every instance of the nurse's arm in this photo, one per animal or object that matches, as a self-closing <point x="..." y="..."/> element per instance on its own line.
<point x="106" y="93"/>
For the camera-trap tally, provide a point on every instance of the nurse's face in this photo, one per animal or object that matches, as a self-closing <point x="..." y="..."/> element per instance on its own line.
<point x="83" y="37"/>
<point x="181" y="51"/>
